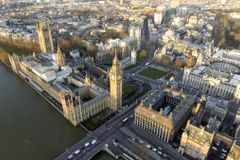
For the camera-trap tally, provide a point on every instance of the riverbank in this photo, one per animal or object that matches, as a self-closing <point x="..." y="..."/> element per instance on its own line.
<point x="4" y="57"/>
<point x="30" y="128"/>
<point x="44" y="95"/>
<point x="5" y="61"/>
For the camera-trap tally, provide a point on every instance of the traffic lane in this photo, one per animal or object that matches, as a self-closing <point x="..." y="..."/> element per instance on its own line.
<point x="100" y="134"/>
<point x="102" y="128"/>
<point x="84" y="151"/>
<point x="138" y="141"/>
<point x="97" y="147"/>
<point x="155" y="141"/>
<point x="137" y="148"/>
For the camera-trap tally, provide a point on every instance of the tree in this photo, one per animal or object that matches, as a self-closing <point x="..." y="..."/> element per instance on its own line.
<point x="123" y="35"/>
<point x="77" y="41"/>
<point x="165" y="60"/>
<point x="91" y="50"/>
<point x="190" y="62"/>
<point x="143" y="54"/>
<point x="4" y="56"/>
<point x="64" y="44"/>
<point x="178" y="63"/>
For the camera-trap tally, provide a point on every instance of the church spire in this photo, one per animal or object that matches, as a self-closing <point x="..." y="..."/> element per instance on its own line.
<point x="115" y="60"/>
<point x="60" y="57"/>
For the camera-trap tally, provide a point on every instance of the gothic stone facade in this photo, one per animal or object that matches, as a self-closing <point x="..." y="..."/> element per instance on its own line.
<point x="79" y="99"/>
<point x="44" y="37"/>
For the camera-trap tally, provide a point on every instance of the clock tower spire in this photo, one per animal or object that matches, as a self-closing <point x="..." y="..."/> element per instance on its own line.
<point x="115" y="78"/>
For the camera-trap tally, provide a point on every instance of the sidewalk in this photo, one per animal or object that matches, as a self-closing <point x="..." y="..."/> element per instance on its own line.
<point x="155" y="141"/>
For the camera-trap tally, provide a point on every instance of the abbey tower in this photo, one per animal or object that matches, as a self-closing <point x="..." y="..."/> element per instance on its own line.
<point x="44" y="37"/>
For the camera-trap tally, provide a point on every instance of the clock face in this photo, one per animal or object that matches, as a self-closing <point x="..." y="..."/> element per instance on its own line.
<point x="119" y="77"/>
<point x="113" y="77"/>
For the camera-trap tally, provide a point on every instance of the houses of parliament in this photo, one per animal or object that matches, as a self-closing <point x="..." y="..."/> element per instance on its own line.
<point x="76" y="96"/>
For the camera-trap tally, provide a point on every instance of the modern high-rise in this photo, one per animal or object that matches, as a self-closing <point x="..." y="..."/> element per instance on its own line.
<point x="116" y="79"/>
<point x="135" y="31"/>
<point x="44" y="37"/>
<point x="158" y="18"/>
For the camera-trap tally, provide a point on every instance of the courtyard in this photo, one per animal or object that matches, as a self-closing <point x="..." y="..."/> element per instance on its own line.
<point x="152" y="73"/>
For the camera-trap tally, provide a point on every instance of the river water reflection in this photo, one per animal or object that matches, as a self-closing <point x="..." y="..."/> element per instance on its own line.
<point x="31" y="129"/>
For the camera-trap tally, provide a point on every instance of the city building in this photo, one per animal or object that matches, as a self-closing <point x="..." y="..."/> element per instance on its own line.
<point x="229" y="56"/>
<point x="200" y="131"/>
<point x="175" y="3"/>
<point x="196" y="142"/>
<point x="158" y="17"/>
<point x="74" y="54"/>
<point x="217" y="106"/>
<point x="182" y="11"/>
<point x="123" y="47"/>
<point x="135" y="31"/>
<point x="165" y="114"/>
<point x="237" y="117"/>
<point x="234" y="153"/>
<point x="218" y="78"/>
<point x="44" y="37"/>
<point x="128" y="61"/>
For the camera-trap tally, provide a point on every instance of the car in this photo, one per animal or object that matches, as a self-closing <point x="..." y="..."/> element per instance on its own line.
<point x="77" y="152"/>
<point x="159" y="152"/>
<point x="222" y="157"/>
<point x="133" y="139"/>
<point x="154" y="149"/>
<point x="70" y="156"/>
<point x="148" y="146"/>
<point x="94" y="141"/>
<point x="87" y="144"/>
<point x="214" y="148"/>
<point x="125" y="120"/>
<point x="159" y="148"/>
<point x="140" y="141"/>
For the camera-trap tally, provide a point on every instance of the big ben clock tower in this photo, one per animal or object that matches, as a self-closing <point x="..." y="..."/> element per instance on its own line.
<point x="115" y="77"/>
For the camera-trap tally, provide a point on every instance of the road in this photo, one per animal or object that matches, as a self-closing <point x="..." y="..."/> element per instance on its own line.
<point x="101" y="134"/>
<point x="112" y="129"/>
<point x="104" y="134"/>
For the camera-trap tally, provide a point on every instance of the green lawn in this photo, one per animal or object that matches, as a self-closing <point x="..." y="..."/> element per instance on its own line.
<point x="97" y="120"/>
<point x="14" y="49"/>
<point x="152" y="73"/>
<point x="146" y="88"/>
<point x="131" y="67"/>
<point x="128" y="88"/>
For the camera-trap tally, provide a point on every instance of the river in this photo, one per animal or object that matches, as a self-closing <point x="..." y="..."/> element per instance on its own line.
<point x="31" y="129"/>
